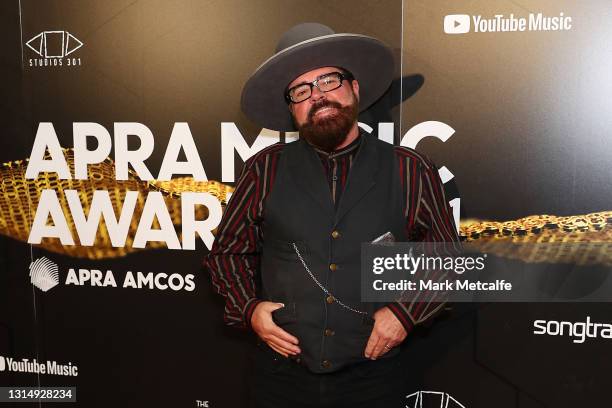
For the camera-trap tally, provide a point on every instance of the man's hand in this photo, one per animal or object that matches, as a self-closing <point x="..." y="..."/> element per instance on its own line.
<point x="387" y="331"/>
<point x="261" y="321"/>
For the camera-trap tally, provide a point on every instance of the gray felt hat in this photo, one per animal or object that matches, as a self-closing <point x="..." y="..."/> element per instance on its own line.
<point x="303" y="48"/>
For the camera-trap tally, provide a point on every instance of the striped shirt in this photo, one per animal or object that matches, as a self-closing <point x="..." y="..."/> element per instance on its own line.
<point x="234" y="257"/>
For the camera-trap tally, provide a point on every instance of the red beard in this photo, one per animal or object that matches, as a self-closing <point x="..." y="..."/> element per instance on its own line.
<point x="329" y="131"/>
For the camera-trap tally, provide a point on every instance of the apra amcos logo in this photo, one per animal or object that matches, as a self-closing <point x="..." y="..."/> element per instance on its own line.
<point x="54" y="48"/>
<point x="44" y="275"/>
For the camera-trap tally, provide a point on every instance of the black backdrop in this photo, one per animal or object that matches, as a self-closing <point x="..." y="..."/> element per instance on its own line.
<point x="530" y="117"/>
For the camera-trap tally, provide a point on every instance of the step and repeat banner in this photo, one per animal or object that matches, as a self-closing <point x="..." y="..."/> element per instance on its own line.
<point x="123" y="139"/>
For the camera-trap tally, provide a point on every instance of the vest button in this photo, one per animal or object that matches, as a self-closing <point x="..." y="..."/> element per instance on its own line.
<point x="325" y="364"/>
<point x="329" y="299"/>
<point x="333" y="267"/>
<point x="329" y="332"/>
<point x="335" y="234"/>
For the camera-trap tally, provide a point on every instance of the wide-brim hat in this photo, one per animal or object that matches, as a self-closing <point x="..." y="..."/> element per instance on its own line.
<point x="308" y="46"/>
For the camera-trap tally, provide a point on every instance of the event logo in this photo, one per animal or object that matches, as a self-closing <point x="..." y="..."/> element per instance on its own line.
<point x="460" y="23"/>
<point x="421" y="399"/>
<point x="65" y="206"/>
<point x="580" y="331"/>
<point x="457" y="24"/>
<point x="53" y="48"/>
<point x="32" y="366"/>
<point x="43" y="274"/>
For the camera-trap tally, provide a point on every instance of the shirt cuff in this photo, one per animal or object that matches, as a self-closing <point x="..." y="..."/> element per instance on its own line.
<point x="249" y="307"/>
<point x="402" y="315"/>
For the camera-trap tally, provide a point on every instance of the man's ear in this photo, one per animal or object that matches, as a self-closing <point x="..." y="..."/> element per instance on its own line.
<point x="355" y="86"/>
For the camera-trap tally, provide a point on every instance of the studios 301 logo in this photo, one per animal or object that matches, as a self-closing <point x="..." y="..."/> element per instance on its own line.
<point x="54" y="49"/>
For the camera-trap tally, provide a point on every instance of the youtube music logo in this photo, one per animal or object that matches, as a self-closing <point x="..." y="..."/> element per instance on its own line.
<point x="500" y="23"/>
<point x="457" y="24"/>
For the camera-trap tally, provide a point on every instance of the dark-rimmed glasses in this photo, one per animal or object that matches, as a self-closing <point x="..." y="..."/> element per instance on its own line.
<point x="324" y="83"/>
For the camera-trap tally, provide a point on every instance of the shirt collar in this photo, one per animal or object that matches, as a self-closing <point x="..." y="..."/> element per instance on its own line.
<point x="351" y="148"/>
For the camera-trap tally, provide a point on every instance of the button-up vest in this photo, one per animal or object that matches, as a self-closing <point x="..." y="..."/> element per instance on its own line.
<point x="300" y="211"/>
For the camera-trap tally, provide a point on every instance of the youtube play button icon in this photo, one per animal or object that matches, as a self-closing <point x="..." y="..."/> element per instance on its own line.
<point x="457" y="24"/>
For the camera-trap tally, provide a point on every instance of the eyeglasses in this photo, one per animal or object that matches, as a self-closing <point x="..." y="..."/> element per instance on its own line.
<point x="324" y="83"/>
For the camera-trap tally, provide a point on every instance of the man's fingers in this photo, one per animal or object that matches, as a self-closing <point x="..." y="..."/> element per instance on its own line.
<point x="379" y="349"/>
<point x="371" y="343"/>
<point x="275" y="306"/>
<point x="376" y="348"/>
<point x="279" y="332"/>
<point x="283" y="344"/>
<point x="278" y="349"/>
<point x="376" y="344"/>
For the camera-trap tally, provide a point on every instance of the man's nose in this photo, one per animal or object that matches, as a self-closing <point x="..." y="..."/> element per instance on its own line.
<point x="316" y="94"/>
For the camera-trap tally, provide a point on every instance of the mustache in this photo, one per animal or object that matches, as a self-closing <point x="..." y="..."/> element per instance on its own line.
<point x="322" y="104"/>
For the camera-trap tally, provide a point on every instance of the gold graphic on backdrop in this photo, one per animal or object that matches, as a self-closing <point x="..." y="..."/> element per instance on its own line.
<point x="19" y="199"/>
<point x="578" y="239"/>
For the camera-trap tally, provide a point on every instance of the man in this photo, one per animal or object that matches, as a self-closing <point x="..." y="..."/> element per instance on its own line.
<point x="287" y="252"/>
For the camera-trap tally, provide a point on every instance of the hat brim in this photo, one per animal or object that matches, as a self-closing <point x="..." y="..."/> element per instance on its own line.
<point x="368" y="59"/>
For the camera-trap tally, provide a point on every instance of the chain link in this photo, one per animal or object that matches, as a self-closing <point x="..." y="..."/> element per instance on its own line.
<point x="323" y="288"/>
